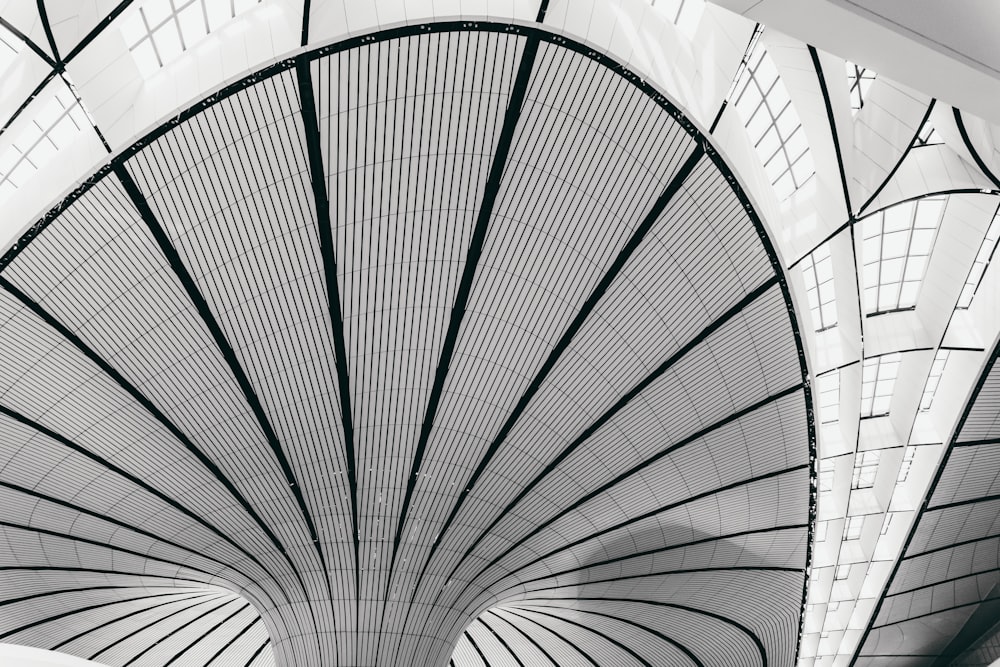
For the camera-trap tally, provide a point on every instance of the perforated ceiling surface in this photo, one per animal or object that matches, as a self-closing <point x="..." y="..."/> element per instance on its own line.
<point x="446" y="341"/>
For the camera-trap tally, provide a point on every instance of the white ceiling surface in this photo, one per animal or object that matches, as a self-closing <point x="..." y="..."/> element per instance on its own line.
<point x="13" y="655"/>
<point x="945" y="49"/>
<point x="175" y="380"/>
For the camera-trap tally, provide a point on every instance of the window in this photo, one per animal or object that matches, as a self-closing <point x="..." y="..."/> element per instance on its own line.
<point x="865" y="469"/>
<point x="825" y="476"/>
<point x="860" y="80"/>
<point x="772" y="123"/>
<point x="904" y="468"/>
<point x="878" y="378"/>
<point x="828" y="399"/>
<point x="896" y="249"/>
<point x="817" y="271"/>
<point x="885" y="524"/>
<point x="937" y="369"/>
<point x="821" y="527"/>
<point x="57" y="123"/>
<point x="163" y="29"/>
<point x="983" y="259"/>
<point x="842" y="572"/>
<point x="852" y="527"/>
<point x="833" y="606"/>
<point x="927" y="136"/>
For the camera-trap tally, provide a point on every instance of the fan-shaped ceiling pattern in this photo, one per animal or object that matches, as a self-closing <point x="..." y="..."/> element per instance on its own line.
<point x="451" y="338"/>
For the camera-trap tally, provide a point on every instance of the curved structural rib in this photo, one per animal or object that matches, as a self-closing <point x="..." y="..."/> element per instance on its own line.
<point x="449" y="322"/>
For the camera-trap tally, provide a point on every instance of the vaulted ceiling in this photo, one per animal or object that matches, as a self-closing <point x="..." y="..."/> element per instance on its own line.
<point x="406" y="331"/>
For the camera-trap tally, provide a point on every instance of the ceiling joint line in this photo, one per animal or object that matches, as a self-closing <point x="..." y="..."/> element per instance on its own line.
<point x="491" y="192"/>
<point x="923" y="507"/>
<point x="619" y="526"/>
<point x="69" y="444"/>
<point x="233" y="640"/>
<point x="142" y="400"/>
<point x="620" y="405"/>
<point x="37" y="50"/>
<point x="551" y="631"/>
<point x="679" y="646"/>
<point x="503" y="642"/>
<point x="173" y="632"/>
<point x="565" y="341"/>
<point x="208" y="318"/>
<point x="256" y="653"/>
<point x="525" y="635"/>
<point x="317" y="177"/>
<point x="124" y="526"/>
<point x="833" y="128"/>
<point x="117" y="619"/>
<point x="44" y="16"/>
<point x="983" y="167"/>
<point x="543" y="7"/>
<point x="669" y="547"/>
<point x="479" y="651"/>
<point x="206" y="634"/>
<point x="692" y="610"/>
<point x="306" y="11"/>
<point x="80" y="610"/>
<point x="589" y="629"/>
<point x="899" y="163"/>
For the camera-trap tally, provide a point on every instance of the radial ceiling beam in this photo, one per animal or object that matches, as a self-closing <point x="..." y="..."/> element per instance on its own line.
<point x="944" y="49"/>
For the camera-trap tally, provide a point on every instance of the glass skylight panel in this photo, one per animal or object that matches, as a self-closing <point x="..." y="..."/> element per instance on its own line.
<point x="825" y="475"/>
<point x="55" y="125"/>
<point x="773" y="125"/>
<point x="865" y="469"/>
<point x="897" y="247"/>
<point x="983" y="259"/>
<point x="928" y="136"/>
<point x="828" y="397"/>
<point x="904" y="468"/>
<point x="852" y="527"/>
<point x="163" y="29"/>
<point x="933" y="379"/>
<point x="860" y="80"/>
<point x="878" y="379"/>
<point x="817" y="271"/>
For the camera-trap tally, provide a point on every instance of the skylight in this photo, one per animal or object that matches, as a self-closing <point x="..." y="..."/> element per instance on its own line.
<point x="897" y="246"/>
<point x="772" y="123"/>
<point x="865" y="468"/>
<point x="817" y="271"/>
<point x="161" y="30"/>
<point x="825" y="475"/>
<point x="928" y="136"/>
<point x="904" y="468"/>
<point x="930" y="389"/>
<point x="860" y="80"/>
<point x="983" y="259"/>
<point x="828" y="390"/>
<point x="878" y="378"/>
<point x="56" y="123"/>
<point x="852" y="527"/>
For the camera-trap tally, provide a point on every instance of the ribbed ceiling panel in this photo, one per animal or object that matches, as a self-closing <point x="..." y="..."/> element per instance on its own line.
<point x="454" y="343"/>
